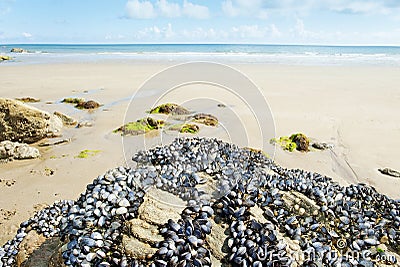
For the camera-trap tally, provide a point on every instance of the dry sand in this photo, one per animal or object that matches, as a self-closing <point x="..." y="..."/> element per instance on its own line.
<point x="354" y="108"/>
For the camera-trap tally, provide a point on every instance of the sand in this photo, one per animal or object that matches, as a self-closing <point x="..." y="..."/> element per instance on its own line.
<point x="354" y="108"/>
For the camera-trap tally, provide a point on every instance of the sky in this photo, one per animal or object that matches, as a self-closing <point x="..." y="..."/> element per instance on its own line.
<point x="329" y="22"/>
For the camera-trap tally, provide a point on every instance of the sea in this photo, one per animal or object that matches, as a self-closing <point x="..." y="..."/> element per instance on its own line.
<point x="225" y="53"/>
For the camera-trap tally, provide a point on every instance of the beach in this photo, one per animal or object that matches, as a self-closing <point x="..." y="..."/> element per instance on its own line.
<point x="354" y="108"/>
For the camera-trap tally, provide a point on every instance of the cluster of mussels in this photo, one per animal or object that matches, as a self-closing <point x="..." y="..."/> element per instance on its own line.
<point x="327" y="224"/>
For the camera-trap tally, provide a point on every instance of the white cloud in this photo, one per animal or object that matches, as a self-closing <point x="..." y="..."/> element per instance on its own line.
<point x="275" y="31"/>
<point x="252" y="8"/>
<point x="195" y="11"/>
<point x="300" y="30"/>
<point x="249" y="32"/>
<point x="27" y="35"/>
<point x="145" y="9"/>
<point x="140" y="9"/>
<point x="170" y="10"/>
<point x="155" y="33"/>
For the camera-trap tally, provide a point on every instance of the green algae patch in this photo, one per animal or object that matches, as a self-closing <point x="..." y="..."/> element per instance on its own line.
<point x="87" y="153"/>
<point x="169" y="109"/>
<point x="285" y="143"/>
<point x="297" y="141"/>
<point x="140" y="126"/>
<point x="189" y="128"/>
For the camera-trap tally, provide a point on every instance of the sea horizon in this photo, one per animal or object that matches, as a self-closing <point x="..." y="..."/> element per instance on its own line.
<point x="291" y="54"/>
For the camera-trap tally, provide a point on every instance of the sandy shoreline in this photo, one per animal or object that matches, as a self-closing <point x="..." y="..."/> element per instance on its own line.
<point x="354" y="108"/>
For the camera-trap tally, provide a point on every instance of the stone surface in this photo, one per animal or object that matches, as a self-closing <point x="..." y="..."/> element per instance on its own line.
<point x="67" y="120"/>
<point x="156" y="212"/>
<point x="15" y="150"/>
<point x="31" y="242"/>
<point x="22" y="123"/>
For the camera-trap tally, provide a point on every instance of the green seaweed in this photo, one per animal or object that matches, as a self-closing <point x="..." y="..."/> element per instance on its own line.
<point x="285" y="143"/>
<point x="169" y="108"/>
<point x="87" y="153"/>
<point x="190" y="128"/>
<point x="297" y="141"/>
<point x="140" y="126"/>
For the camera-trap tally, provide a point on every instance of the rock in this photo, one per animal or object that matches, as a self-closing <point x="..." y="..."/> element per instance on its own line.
<point x="46" y="255"/>
<point x="88" y="105"/>
<point x="321" y="146"/>
<point x="18" y="50"/>
<point x="140" y="126"/>
<point x="206" y="119"/>
<point x="169" y="109"/>
<point x="22" y="123"/>
<point x="67" y="120"/>
<point x="157" y="212"/>
<point x="31" y="242"/>
<point x="215" y="241"/>
<point x="143" y="231"/>
<point x="390" y="172"/>
<point x="14" y="150"/>
<point x="54" y="142"/>
<point x="301" y="141"/>
<point x="84" y="124"/>
<point x="28" y="99"/>
<point x="136" y="249"/>
<point x="3" y="58"/>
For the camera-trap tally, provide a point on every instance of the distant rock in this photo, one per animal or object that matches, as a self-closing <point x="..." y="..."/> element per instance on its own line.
<point x="390" y="172"/>
<point x="3" y="58"/>
<point x="67" y="120"/>
<point x="18" y="50"/>
<point x="25" y="124"/>
<point x="14" y="150"/>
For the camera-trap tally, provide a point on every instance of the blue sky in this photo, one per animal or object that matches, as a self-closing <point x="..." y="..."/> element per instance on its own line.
<point x="195" y="21"/>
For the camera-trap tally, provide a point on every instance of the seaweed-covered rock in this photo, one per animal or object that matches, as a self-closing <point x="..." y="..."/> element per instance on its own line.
<point x="169" y="109"/>
<point x="22" y="123"/>
<point x="15" y="150"/>
<point x="206" y="119"/>
<point x="140" y="126"/>
<point x="88" y="105"/>
<point x="301" y="140"/>
<point x="189" y="128"/>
